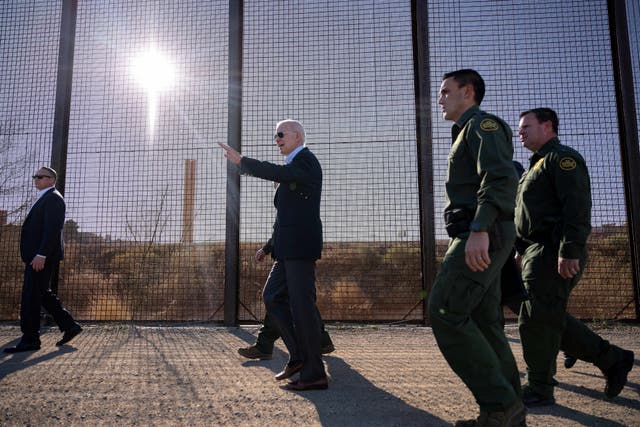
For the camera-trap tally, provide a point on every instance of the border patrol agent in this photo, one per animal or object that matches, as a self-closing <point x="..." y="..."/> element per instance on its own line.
<point x="553" y="222"/>
<point x="464" y="304"/>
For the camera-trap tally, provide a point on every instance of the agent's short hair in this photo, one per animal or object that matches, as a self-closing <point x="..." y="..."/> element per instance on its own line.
<point x="471" y="77"/>
<point x="53" y="173"/>
<point x="544" y="115"/>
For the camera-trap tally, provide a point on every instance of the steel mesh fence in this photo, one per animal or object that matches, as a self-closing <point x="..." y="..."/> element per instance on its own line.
<point x="633" y="21"/>
<point x="145" y="188"/>
<point x="346" y="72"/>
<point x="547" y="54"/>
<point x="29" y="50"/>
<point x="145" y="185"/>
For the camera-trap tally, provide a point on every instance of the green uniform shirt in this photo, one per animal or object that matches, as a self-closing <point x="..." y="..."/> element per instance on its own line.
<point x="480" y="173"/>
<point x="554" y="200"/>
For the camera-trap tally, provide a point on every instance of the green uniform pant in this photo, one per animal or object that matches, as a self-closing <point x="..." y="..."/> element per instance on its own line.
<point x="465" y="313"/>
<point x="545" y="325"/>
<point x="269" y="334"/>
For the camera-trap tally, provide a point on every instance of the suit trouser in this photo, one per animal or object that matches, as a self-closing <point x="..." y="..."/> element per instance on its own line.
<point x="545" y="325"/>
<point x="269" y="334"/>
<point x="466" y="318"/>
<point x="35" y="294"/>
<point x="290" y="299"/>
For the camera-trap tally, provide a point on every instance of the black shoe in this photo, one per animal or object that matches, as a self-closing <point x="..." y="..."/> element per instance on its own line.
<point x="617" y="374"/>
<point x="254" y="352"/>
<point x="569" y="361"/>
<point x="69" y="335"/>
<point x="532" y="399"/>
<point x="22" y="347"/>
<point x="515" y="415"/>
<point x="327" y="348"/>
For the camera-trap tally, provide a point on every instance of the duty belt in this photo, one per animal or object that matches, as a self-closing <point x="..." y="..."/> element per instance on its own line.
<point x="458" y="221"/>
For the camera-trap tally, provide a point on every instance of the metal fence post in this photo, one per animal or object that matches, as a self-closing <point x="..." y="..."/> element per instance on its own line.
<point x="234" y="135"/>
<point x="628" y="131"/>
<point x="60" y="136"/>
<point x="419" y="11"/>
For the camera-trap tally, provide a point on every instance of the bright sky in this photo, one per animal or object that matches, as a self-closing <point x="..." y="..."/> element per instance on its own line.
<point x="150" y="91"/>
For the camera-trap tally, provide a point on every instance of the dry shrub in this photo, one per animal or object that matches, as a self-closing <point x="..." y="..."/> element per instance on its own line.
<point x="344" y="300"/>
<point x="356" y="281"/>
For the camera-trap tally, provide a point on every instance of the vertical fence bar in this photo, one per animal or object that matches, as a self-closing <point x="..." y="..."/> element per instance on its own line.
<point x="628" y="130"/>
<point x="420" y="29"/>
<point x="60" y="137"/>
<point x="234" y="134"/>
<point x="63" y="91"/>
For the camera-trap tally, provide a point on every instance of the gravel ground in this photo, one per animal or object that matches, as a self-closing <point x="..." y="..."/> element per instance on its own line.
<point x="125" y="374"/>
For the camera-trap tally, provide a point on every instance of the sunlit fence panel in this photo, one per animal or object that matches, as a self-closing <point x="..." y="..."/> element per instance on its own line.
<point x="558" y="55"/>
<point x="146" y="186"/>
<point x="346" y="72"/>
<point x="29" y="50"/>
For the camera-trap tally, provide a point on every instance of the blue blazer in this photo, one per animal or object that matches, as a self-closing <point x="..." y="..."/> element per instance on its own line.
<point x="42" y="229"/>
<point x="297" y="231"/>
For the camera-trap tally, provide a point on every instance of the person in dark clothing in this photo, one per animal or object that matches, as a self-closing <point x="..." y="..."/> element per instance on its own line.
<point x="553" y="222"/>
<point x="267" y="336"/>
<point x="290" y="292"/>
<point x="464" y="303"/>
<point x="514" y="293"/>
<point x="42" y="249"/>
<point x="269" y="333"/>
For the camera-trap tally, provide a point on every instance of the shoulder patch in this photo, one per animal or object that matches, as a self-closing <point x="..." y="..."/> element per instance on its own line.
<point x="489" y="125"/>
<point x="567" y="164"/>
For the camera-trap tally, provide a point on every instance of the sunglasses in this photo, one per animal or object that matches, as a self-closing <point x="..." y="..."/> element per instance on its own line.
<point x="41" y="176"/>
<point x="280" y="134"/>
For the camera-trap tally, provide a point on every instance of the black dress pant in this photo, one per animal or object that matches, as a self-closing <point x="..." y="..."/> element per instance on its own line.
<point x="290" y="299"/>
<point x="35" y="294"/>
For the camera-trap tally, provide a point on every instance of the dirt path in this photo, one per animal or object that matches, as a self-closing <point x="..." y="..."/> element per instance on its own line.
<point x="121" y="374"/>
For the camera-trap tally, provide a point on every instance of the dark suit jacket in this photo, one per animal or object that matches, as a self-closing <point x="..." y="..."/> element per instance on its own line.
<point x="297" y="232"/>
<point x="42" y="229"/>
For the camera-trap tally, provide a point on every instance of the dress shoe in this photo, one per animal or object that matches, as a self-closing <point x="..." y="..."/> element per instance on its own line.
<point x="254" y="352"/>
<point x="569" y="361"/>
<point x="617" y="374"/>
<point x="321" y="384"/>
<point x="69" y="335"/>
<point x="22" y="347"/>
<point x="327" y="348"/>
<point x="291" y="369"/>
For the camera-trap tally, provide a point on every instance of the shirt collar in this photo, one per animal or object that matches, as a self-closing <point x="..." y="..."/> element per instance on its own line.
<point x="43" y="191"/>
<point x="548" y="146"/>
<point x="464" y="118"/>
<point x="291" y="155"/>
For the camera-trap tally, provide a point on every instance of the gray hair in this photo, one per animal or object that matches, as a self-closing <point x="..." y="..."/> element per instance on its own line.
<point x="294" y="125"/>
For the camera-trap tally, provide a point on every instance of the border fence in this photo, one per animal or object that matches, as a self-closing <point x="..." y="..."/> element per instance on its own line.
<point x="127" y="99"/>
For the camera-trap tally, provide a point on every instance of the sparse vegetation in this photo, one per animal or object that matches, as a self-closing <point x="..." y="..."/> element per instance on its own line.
<point x="102" y="279"/>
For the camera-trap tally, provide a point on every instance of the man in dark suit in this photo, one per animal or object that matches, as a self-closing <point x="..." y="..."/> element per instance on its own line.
<point x="269" y="333"/>
<point x="41" y="249"/>
<point x="290" y="293"/>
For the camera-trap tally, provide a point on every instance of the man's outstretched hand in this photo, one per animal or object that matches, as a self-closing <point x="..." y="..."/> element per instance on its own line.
<point x="232" y="155"/>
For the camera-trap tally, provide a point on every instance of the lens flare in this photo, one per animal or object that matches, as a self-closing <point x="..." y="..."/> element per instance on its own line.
<point x="154" y="73"/>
